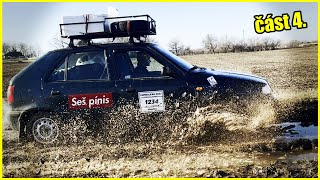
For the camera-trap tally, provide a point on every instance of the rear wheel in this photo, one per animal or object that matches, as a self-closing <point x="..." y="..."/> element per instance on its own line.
<point x="45" y="130"/>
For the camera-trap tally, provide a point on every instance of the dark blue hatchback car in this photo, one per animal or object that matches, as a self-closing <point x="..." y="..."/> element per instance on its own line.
<point x="100" y="76"/>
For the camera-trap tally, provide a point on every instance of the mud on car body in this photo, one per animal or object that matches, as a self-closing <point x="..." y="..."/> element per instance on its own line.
<point x="92" y="78"/>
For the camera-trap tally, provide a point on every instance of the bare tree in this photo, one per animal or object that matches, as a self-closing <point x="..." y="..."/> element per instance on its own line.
<point x="210" y="42"/>
<point x="255" y="44"/>
<point x="251" y="44"/>
<point x="270" y="44"/>
<point x="240" y="46"/>
<point x="23" y="48"/>
<point x="6" y="47"/>
<point x="14" y="47"/>
<point x="274" y="44"/>
<point x="187" y="50"/>
<point x="58" y="42"/>
<point x="175" y="46"/>
<point x="227" y="45"/>
<point x="37" y="50"/>
<point x="31" y="52"/>
<point x="266" y="43"/>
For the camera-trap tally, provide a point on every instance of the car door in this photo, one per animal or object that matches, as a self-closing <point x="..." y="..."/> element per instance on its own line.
<point x="140" y="78"/>
<point x="80" y="81"/>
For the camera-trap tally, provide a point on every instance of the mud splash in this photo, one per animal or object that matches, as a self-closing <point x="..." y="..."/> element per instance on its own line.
<point x="5" y="116"/>
<point x="179" y="125"/>
<point x="225" y="124"/>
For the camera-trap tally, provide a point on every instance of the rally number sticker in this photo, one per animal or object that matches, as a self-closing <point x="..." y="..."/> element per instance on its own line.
<point x="151" y="101"/>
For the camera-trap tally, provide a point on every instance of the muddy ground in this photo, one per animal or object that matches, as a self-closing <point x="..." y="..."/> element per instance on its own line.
<point x="214" y="141"/>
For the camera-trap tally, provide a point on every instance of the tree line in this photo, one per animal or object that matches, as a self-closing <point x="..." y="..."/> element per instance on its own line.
<point x="26" y="50"/>
<point x="212" y="44"/>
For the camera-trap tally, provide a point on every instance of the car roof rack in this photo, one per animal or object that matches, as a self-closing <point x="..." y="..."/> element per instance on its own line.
<point x="124" y="26"/>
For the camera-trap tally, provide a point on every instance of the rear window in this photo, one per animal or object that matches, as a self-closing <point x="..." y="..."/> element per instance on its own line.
<point x="90" y="65"/>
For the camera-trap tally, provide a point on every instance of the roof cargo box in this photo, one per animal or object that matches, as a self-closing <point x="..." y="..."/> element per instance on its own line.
<point x="80" y="25"/>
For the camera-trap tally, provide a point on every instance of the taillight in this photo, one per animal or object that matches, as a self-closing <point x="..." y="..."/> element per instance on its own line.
<point x="10" y="97"/>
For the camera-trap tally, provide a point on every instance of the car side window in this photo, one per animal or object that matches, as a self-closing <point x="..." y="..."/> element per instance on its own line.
<point x="137" y="64"/>
<point x="82" y="66"/>
<point x="59" y="73"/>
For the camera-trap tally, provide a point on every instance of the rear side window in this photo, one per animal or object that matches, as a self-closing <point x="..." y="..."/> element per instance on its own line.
<point x="59" y="73"/>
<point x="82" y="66"/>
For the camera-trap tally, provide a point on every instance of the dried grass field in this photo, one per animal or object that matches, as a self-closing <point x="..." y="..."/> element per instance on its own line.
<point x="211" y="142"/>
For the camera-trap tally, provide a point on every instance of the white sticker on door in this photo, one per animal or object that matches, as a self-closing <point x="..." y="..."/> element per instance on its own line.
<point x="151" y="101"/>
<point x="212" y="81"/>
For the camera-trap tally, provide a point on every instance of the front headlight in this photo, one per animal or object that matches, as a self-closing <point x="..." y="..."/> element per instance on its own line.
<point x="266" y="89"/>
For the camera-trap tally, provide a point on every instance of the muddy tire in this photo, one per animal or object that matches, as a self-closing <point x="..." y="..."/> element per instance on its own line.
<point x="43" y="128"/>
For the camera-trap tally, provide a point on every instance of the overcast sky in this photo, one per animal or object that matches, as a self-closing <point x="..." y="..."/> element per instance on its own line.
<point x="38" y="23"/>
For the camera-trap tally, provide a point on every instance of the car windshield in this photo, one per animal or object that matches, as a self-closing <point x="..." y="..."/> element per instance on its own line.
<point x="179" y="61"/>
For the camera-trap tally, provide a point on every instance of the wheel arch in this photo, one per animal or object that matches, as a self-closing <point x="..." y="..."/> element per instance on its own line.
<point x="27" y="114"/>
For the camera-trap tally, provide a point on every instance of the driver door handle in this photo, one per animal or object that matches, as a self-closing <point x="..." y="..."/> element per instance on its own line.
<point x="54" y="93"/>
<point x="130" y="90"/>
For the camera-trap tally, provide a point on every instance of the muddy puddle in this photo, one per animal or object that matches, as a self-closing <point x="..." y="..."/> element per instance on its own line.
<point x="213" y="141"/>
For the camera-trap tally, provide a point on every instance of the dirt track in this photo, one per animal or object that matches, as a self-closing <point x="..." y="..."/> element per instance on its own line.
<point x="94" y="159"/>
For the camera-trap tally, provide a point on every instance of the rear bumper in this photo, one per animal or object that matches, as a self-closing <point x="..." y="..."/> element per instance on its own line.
<point x="14" y="117"/>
